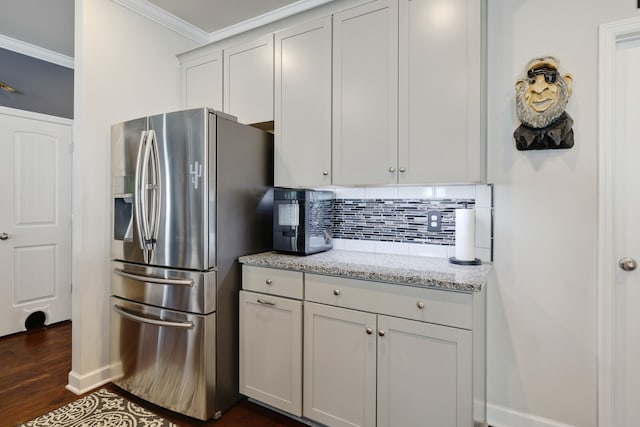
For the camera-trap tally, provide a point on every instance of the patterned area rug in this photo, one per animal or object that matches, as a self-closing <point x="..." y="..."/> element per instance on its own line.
<point x="101" y="408"/>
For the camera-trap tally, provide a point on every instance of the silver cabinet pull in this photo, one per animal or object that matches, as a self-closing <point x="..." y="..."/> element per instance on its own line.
<point x="336" y="292"/>
<point x="141" y="319"/>
<point x="265" y="302"/>
<point x="381" y="332"/>
<point x="268" y="281"/>
<point x="151" y="279"/>
<point x="392" y="169"/>
<point x="420" y="305"/>
<point x="325" y="173"/>
<point x="402" y="170"/>
<point x="627" y="264"/>
<point x="369" y="331"/>
<point x="4" y="236"/>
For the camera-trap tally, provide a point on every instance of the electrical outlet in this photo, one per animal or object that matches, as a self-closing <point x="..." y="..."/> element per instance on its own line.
<point x="434" y="221"/>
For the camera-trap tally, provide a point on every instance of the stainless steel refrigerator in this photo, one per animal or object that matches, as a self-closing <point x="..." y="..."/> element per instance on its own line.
<point x="191" y="193"/>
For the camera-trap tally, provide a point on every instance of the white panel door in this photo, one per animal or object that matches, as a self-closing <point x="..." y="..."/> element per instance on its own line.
<point x="339" y="377"/>
<point x="303" y="105"/>
<point x="626" y="242"/>
<point x="424" y="374"/>
<point x="248" y="80"/>
<point x="35" y="221"/>
<point x="271" y="350"/>
<point x="365" y="94"/>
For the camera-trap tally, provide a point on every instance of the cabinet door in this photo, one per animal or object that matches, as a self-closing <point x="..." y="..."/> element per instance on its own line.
<point x="441" y="139"/>
<point x="424" y="374"/>
<point x="248" y="80"/>
<point x="202" y="82"/>
<point x="271" y="350"/>
<point x="339" y="366"/>
<point x="303" y="105"/>
<point x="365" y="94"/>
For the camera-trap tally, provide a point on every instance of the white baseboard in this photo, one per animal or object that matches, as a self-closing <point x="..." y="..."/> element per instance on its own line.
<point x="80" y="384"/>
<point x="498" y="416"/>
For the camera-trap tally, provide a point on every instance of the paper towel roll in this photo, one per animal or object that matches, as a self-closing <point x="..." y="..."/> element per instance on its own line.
<point x="465" y="234"/>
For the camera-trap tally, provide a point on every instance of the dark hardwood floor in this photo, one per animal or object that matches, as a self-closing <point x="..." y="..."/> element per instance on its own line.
<point x="33" y="374"/>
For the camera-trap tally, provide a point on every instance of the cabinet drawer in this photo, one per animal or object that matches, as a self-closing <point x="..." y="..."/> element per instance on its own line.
<point x="427" y="305"/>
<point x="272" y="281"/>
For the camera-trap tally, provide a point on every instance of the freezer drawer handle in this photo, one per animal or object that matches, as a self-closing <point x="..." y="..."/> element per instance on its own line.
<point x="141" y="319"/>
<point x="151" y="279"/>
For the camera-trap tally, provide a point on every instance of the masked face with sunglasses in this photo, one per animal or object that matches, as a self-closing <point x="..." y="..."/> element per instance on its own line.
<point x="542" y="95"/>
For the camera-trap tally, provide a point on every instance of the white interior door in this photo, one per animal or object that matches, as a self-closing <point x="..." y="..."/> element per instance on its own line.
<point x="35" y="221"/>
<point x="625" y="292"/>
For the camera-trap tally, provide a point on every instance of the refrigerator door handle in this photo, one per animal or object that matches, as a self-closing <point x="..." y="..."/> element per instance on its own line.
<point x="152" y="279"/>
<point x="144" y="187"/>
<point x="155" y="187"/>
<point x="149" y="183"/>
<point x="137" y="195"/>
<point x="142" y="319"/>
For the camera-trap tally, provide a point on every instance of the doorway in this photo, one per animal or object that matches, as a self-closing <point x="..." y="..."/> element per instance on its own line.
<point x="35" y="220"/>
<point x="619" y="228"/>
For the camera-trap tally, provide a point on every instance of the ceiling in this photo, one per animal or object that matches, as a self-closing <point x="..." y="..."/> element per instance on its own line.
<point x="215" y="15"/>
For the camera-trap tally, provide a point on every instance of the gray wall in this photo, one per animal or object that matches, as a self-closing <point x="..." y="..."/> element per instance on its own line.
<point x="41" y="86"/>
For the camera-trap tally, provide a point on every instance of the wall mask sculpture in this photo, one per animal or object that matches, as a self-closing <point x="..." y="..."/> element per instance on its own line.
<point x="541" y="98"/>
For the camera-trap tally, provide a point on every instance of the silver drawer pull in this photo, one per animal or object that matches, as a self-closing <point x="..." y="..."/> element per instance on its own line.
<point x="263" y="302"/>
<point x="268" y="281"/>
<point x="381" y="332"/>
<point x="142" y="319"/>
<point x="369" y="331"/>
<point x="420" y="305"/>
<point x="336" y="292"/>
<point x="152" y="279"/>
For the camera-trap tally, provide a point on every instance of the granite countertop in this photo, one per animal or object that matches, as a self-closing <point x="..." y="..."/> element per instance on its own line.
<point x="400" y="269"/>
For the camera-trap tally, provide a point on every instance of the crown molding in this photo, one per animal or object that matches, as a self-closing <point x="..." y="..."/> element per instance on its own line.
<point x="162" y="17"/>
<point x="36" y="51"/>
<point x="264" y="19"/>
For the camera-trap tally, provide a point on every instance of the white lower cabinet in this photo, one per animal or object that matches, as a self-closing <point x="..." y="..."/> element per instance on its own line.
<point x="424" y="374"/>
<point x="271" y="350"/>
<point x="373" y="354"/>
<point x="420" y="372"/>
<point x="339" y="366"/>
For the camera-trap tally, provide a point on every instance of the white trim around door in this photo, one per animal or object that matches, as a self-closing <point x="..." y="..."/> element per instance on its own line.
<point x="611" y="35"/>
<point x="35" y="116"/>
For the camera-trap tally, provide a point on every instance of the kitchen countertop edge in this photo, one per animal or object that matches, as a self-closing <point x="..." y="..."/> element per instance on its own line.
<point x="406" y="270"/>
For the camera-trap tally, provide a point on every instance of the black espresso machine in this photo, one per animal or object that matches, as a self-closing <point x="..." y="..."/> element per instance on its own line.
<point x="302" y="220"/>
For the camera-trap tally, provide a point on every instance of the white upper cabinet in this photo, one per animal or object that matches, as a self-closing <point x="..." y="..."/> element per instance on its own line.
<point x="303" y="105"/>
<point x="365" y="94"/>
<point x="202" y="81"/>
<point x="248" y="80"/>
<point x="385" y="92"/>
<point x="441" y="137"/>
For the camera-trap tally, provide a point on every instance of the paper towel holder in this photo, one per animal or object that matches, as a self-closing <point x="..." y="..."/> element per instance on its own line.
<point x="475" y="261"/>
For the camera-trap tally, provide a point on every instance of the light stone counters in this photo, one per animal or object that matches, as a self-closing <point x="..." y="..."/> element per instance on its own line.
<point x="400" y="269"/>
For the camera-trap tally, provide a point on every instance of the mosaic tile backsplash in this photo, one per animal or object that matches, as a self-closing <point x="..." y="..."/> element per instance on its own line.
<point x="396" y="220"/>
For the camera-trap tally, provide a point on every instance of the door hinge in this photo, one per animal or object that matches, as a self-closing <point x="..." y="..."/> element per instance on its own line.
<point x="71" y="147"/>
